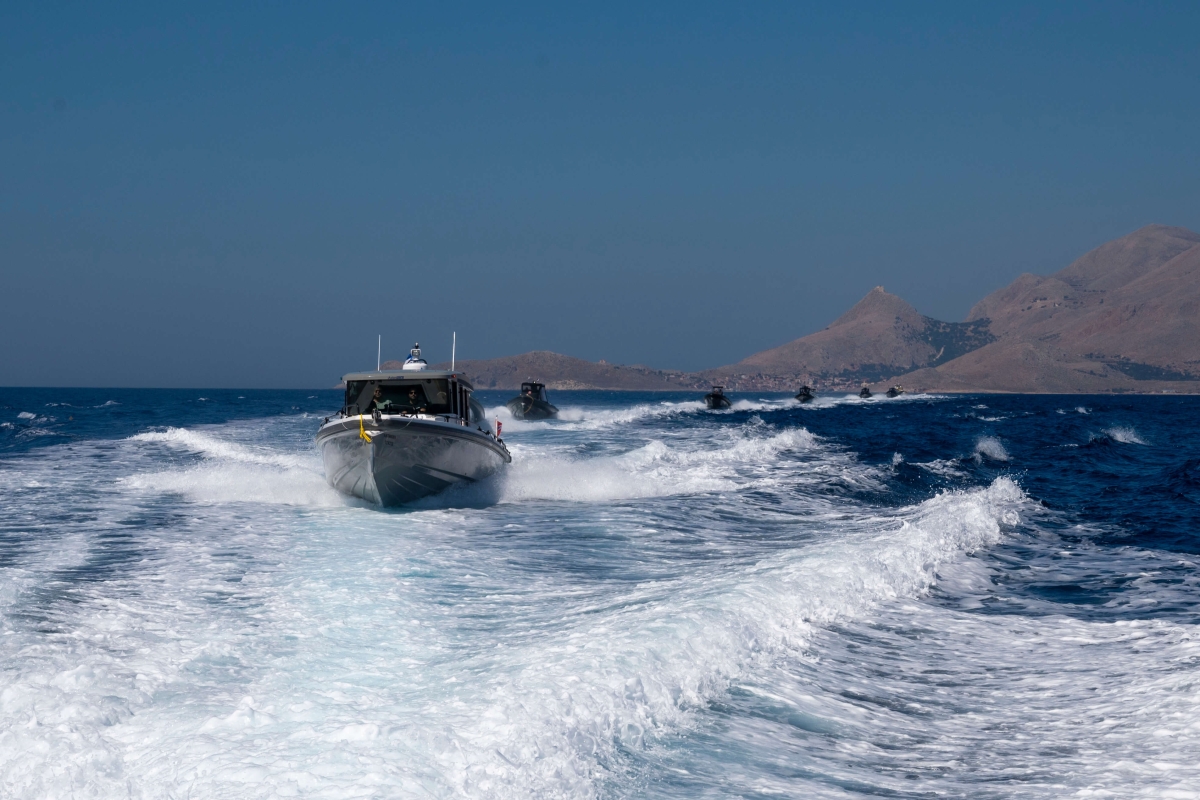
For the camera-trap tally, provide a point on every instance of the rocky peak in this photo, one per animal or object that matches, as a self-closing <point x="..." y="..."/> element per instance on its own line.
<point x="880" y="306"/>
<point x="1124" y="260"/>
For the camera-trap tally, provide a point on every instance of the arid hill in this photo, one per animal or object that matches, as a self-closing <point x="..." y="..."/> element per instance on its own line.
<point x="880" y="337"/>
<point x="1124" y="317"/>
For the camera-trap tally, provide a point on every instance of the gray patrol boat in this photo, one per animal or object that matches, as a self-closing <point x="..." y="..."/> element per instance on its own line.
<point x="408" y="433"/>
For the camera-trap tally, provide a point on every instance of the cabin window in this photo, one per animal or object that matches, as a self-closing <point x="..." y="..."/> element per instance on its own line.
<point x="437" y="395"/>
<point x="428" y="396"/>
<point x="478" y="415"/>
<point x="354" y="390"/>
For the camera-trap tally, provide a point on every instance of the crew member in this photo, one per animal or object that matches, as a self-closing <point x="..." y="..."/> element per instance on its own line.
<point x="378" y="403"/>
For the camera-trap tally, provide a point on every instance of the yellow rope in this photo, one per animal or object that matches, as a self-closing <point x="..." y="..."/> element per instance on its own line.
<point x="362" y="432"/>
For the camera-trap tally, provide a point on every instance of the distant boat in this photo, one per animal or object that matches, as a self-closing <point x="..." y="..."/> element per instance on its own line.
<point x="532" y="403"/>
<point x="408" y="433"/>
<point x="806" y="394"/>
<point x="895" y="391"/>
<point x="716" y="399"/>
<point x="864" y="392"/>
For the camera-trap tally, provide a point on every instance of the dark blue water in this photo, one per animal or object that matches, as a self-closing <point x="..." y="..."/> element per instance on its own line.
<point x="962" y="596"/>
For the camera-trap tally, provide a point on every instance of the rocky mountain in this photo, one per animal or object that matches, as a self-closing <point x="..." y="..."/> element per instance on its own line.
<point x="880" y="337"/>
<point x="1123" y="317"/>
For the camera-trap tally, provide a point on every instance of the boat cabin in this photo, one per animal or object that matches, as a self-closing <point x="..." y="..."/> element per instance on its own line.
<point x="535" y="390"/>
<point x="441" y="395"/>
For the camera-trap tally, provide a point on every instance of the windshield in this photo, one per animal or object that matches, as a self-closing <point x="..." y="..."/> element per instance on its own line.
<point x="353" y="390"/>
<point x="427" y="396"/>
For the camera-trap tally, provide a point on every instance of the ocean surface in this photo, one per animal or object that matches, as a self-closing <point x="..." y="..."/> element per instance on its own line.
<point x="933" y="596"/>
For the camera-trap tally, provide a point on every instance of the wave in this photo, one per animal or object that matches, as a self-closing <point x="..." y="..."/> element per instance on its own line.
<point x="1124" y="435"/>
<point x="591" y="418"/>
<point x="831" y="401"/>
<point x="211" y="446"/>
<point x="763" y="404"/>
<point x="654" y="470"/>
<point x="234" y="472"/>
<point x="641" y="671"/>
<point x="231" y="472"/>
<point x="233" y="483"/>
<point x="741" y="459"/>
<point x="989" y="447"/>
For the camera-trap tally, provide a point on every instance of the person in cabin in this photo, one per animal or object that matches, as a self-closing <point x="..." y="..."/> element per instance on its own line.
<point x="416" y="403"/>
<point x="378" y="403"/>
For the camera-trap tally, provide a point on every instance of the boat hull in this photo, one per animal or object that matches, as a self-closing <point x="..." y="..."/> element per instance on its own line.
<point x="529" y="408"/>
<point x="717" y="402"/>
<point x="405" y="459"/>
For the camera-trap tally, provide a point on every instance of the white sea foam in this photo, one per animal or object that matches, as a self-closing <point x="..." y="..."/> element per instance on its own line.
<point x="231" y="472"/>
<point x="830" y="401"/>
<point x="763" y="404"/>
<point x="654" y="470"/>
<point x="991" y="448"/>
<point x="645" y="668"/>
<point x="554" y="710"/>
<point x="26" y="415"/>
<point x="564" y="642"/>
<point x="593" y="418"/>
<point x="34" y="433"/>
<point x="212" y="446"/>
<point x="241" y="483"/>
<point x="1124" y="435"/>
<point x="1093" y="709"/>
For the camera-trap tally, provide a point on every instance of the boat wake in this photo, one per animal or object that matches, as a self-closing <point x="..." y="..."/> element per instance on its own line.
<point x="652" y="601"/>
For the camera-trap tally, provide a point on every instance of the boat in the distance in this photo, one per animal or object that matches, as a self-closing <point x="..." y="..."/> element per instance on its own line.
<point x="532" y="403"/>
<point x="806" y="394"/>
<point x="895" y="391"/>
<point x="405" y="434"/>
<point x="864" y="392"/>
<point x="716" y="399"/>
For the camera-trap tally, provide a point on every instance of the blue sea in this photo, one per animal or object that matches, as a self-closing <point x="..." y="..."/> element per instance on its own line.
<point x="932" y="596"/>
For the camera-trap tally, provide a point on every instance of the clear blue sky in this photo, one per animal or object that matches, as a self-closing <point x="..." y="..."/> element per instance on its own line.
<point x="230" y="196"/>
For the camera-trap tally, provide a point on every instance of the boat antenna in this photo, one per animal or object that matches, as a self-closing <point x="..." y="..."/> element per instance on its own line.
<point x="453" y="346"/>
<point x="379" y="354"/>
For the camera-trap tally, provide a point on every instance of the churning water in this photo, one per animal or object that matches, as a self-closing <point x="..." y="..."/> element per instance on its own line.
<point x="930" y="596"/>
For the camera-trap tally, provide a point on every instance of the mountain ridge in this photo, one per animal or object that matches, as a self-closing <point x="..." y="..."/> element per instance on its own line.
<point x="1123" y="317"/>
